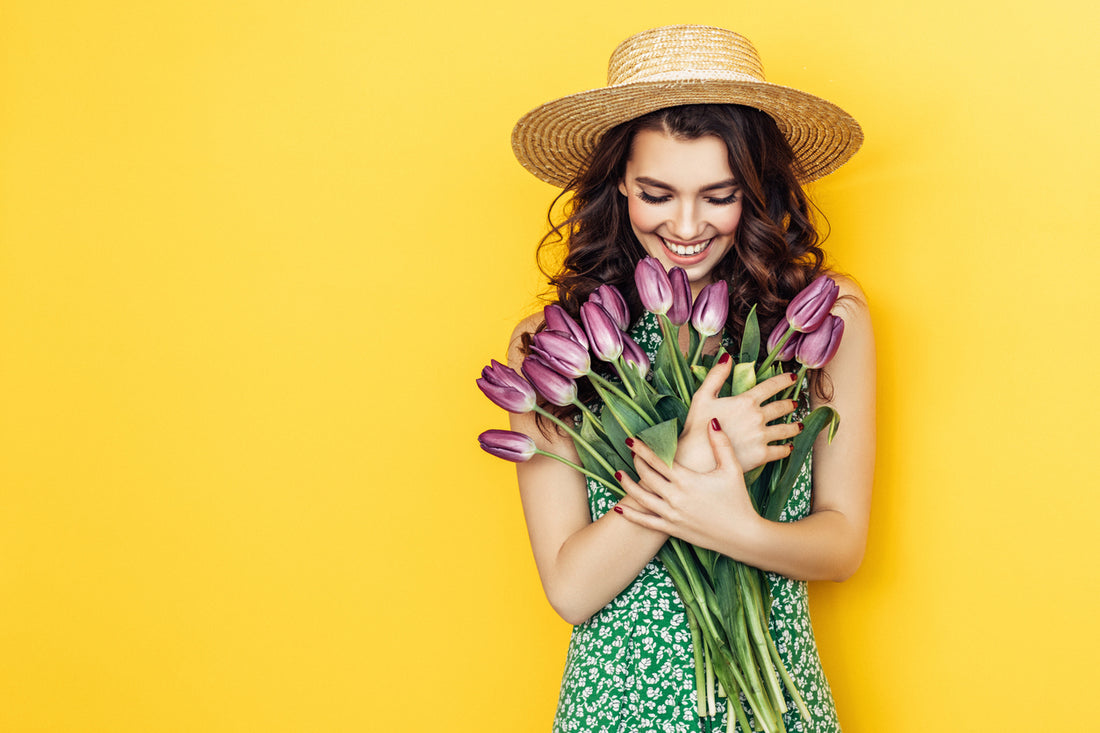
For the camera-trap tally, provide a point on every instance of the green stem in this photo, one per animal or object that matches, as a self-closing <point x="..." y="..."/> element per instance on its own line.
<point x="576" y="438"/>
<point x="775" y="352"/>
<point x="584" y="408"/>
<point x="697" y="652"/>
<point x="671" y="341"/>
<point x="798" y="382"/>
<point x="709" y="661"/>
<point x="698" y="350"/>
<point x="622" y="377"/>
<point x="753" y="615"/>
<point x="616" y="490"/>
<point x="792" y="690"/>
<point x="601" y="382"/>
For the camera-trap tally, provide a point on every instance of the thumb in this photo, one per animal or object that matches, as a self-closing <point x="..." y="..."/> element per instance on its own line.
<point x="722" y="447"/>
<point x="717" y="376"/>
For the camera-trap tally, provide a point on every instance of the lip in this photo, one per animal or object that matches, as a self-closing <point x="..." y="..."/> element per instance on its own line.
<point x="682" y="260"/>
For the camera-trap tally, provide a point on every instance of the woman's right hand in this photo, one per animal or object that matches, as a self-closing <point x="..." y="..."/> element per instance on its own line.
<point x="744" y="418"/>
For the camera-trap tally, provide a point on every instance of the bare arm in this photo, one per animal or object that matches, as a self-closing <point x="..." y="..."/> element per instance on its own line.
<point x="712" y="509"/>
<point x="583" y="564"/>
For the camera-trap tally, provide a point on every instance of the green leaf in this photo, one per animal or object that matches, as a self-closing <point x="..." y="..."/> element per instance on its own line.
<point x="671" y="408"/>
<point x="602" y="445"/>
<point x="616" y="439"/>
<point x="814" y="423"/>
<point x="750" y="340"/>
<point x="700" y="373"/>
<point x="662" y="438"/>
<point x="662" y="384"/>
<point x="727" y="594"/>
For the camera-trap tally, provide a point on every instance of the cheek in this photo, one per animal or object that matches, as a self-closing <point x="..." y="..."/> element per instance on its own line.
<point x="727" y="222"/>
<point x="642" y="217"/>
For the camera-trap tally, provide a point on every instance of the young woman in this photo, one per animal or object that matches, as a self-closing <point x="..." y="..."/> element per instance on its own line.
<point x="690" y="157"/>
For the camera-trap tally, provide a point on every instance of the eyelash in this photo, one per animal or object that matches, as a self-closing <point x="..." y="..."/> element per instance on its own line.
<point x="732" y="198"/>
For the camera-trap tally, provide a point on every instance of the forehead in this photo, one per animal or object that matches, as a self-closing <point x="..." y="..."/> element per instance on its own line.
<point x="682" y="163"/>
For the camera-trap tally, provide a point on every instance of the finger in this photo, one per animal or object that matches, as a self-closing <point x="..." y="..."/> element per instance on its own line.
<point x="723" y="448"/>
<point x="649" y="459"/>
<point x="647" y="500"/>
<point x="771" y="387"/>
<point x="778" y="408"/>
<point x="775" y="452"/>
<point x="717" y="376"/>
<point x="642" y="519"/>
<point x="782" y="431"/>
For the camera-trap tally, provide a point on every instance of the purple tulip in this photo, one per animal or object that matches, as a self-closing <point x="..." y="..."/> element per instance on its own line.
<point x="507" y="444"/>
<point x="816" y="348"/>
<point x="635" y="356"/>
<point x="612" y="301"/>
<point x="809" y="307"/>
<point x="653" y="284"/>
<point x="711" y="309"/>
<point x="604" y="337"/>
<point x="788" y="348"/>
<point x="557" y="389"/>
<point x="507" y="389"/>
<point x="558" y="320"/>
<point x="680" y="312"/>
<point x="561" y="353"/>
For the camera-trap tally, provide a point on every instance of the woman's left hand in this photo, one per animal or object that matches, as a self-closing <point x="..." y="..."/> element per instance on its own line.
<point x="705" y="509"/>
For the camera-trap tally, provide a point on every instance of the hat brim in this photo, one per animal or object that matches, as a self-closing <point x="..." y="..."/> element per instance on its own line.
<point x="554" y="140"/>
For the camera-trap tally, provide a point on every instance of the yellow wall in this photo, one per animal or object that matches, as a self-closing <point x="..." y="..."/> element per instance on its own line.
<point x="253" y="255"/>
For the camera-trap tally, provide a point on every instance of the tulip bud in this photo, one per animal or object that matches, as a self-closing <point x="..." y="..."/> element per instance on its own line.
<point x="654" y="288"/>
<point x="680" y="312"/>
<point x="507" y="444"/>
<point x="816" y="348"/>
<point x="507" y="389"/>
<point x="558" y="320"/>
<point x="561" y="353"/>
<point x="711" y="309"/>
<point x="635" y="356"/>
<point x="788" y="348"/>
<point x="557" y="389"/>
<point x="808" y="309"/>
<point x="609" y="297"/>
<point x="604" y="337"/>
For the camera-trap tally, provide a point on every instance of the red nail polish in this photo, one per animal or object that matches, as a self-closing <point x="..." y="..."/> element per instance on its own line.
<point x="801" y="427"/>
<point x="793" y="376"/>
<point x="714" y="424"/>
<point x="618" y="510"/>
<point x="724" y="359"/>
<point x="633" y="454"/>
<point x="619" y="476"/>
<point x="630" y="442"/>
<point x="791" y="450"/>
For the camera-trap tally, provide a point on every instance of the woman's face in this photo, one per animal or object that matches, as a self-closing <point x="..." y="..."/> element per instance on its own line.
<point x="684" y="201"/>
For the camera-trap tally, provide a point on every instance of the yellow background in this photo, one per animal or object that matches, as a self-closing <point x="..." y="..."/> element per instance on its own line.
<point x="254" y="254"/>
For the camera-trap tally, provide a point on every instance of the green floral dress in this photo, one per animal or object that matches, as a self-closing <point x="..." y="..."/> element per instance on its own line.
<point x="630" y="667"/>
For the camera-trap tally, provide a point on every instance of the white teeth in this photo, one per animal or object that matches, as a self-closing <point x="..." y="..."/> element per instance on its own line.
<point x="684" y="251"/>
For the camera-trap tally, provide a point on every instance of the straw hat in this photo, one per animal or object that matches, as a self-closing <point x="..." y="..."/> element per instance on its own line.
<point x="677" y="65"/>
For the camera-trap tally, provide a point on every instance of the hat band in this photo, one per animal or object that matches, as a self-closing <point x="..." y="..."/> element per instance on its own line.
<point x="689" y="75"/>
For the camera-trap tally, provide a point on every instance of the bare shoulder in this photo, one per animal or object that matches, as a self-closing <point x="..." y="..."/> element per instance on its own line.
<point x="515" y="343"/>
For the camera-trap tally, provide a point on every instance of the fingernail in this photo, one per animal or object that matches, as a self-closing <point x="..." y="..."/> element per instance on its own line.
<point x="714" y="424"/>
<point x="793" y="376"/>
<point x="801" y="427"/>
<point x="791" y="450"/>
<point x="724" y="359"/>
<point x="632" y="454"/>
<point x="618" y="510"/>
<point x="630" y="442"/>
<point x="618" y="475"/>
<point x="794" y="405"/>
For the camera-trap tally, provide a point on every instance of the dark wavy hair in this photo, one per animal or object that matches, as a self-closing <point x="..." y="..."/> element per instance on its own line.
<point x="776" y="248"/>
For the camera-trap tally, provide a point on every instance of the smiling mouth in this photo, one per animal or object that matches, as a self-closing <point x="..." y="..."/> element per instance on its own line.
<point x="686" y="250"/>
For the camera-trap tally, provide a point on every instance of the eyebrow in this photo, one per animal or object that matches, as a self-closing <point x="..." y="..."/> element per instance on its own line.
<point x="728" y="183"/>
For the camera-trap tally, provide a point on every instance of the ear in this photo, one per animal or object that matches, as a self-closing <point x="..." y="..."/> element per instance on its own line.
<point x="622" y="187"/>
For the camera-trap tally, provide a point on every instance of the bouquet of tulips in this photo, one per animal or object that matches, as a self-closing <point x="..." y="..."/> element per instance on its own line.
<point x="728" y="604"/>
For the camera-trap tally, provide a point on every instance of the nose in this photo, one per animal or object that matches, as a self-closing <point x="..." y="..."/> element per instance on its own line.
<point x="684" y="224"/>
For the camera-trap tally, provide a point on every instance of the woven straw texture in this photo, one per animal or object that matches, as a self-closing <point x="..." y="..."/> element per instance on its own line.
<point x="677" y="65"/>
